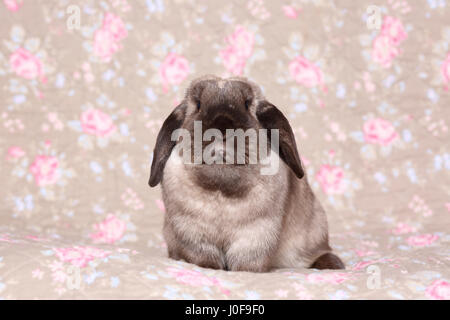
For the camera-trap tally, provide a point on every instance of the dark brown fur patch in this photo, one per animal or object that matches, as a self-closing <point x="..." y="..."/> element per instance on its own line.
<point x="328" y="261"/>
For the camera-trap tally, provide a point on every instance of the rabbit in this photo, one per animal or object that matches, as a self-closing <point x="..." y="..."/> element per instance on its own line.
<point x="229" y="216"/>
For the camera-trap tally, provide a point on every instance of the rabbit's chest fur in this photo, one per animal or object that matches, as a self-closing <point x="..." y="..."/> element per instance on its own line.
<point x="204" y="214"/>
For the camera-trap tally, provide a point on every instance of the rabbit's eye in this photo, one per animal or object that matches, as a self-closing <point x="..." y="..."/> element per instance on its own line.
<point x="247" y="104"/>
<point x="198" y="105"/>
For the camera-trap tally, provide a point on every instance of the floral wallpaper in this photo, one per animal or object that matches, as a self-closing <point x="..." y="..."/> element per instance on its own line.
<point x="85" y="86"/>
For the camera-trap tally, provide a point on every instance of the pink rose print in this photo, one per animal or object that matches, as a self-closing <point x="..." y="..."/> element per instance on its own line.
<point x="362" y="264"/>
<point x="422" y="240"/>
<point x="195" y="278"/>
<point x="364" y="252"/>
<point x="305" y="73"/>
<point x="115" y="26"/>
<point x="13" y="5"/>
<point x="445" y="69"/>
<point x="94" y="121"/>
<point x="37" y="273"/>
<point x="15" y="152"/>
<point x="331" y="179"/>
<point x="439" y="290"/>
<point x="26" y="65"/>
<point x="240" y="47"/>
<point x="107" y="38"/>
<point x="173" y="70"/>
<point x="59" y="276"/>
<point x="232" y="61"/>
<point x="80" y="256"/>
<point x="385" y="45"/>
<point x="393" y="29"/>
<point x="5" y="238"/>
<point x="290" y="12"/>
<point x="384" y="51"/>
<point x="301" y="292"/>
<point x="334" y="278"/>
<point x="110" y="230"/>
<point x="104" y="44"/>
<point x="379" y="131"/>
<point x="190" y="277"/>
<point x="403" y="228"/>
<point x="242" y="41"/>
<point x="45" y="170"/>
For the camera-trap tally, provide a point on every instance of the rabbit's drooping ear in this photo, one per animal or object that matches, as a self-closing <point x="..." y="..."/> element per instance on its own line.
<point x="271" y="118"/>
<point x="164" y="143"/>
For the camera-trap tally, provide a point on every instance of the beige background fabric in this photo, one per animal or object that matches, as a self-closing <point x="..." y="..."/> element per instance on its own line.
<point x="82" y="101"/>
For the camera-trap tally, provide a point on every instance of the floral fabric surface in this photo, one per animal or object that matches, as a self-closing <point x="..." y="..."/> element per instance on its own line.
<point x="85" y="86"/>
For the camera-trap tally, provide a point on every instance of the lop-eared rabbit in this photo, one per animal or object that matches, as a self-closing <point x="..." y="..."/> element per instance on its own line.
<point x="228" y="215"/>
